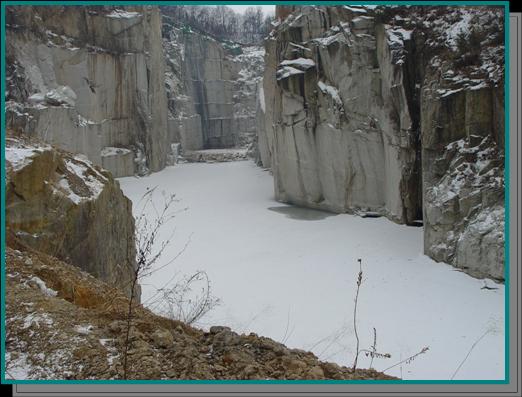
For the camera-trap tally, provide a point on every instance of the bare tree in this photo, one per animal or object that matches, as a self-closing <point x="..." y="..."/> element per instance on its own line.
<point x="147" y="255"/>
<point x="223" y="23"/>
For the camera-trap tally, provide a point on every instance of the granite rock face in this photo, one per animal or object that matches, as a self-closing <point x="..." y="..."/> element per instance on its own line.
<point x="463" y="170"/>
<point x="88" y="79"/>
<point x="63" y="205"/>
<point x="184" y="123"/>
<point x="392" y="111"/>
<point x="209" y="79"/>
<point x="211" y="89"/>
<point x="341" y="136"/>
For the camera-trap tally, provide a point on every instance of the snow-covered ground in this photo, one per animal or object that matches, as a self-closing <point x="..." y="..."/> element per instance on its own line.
<point x="290" y="274"/>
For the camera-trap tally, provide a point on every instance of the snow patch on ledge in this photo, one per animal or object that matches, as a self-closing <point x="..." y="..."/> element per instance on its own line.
<point x="326" y="41"/>
<point x="109" y="151"/>
<point x="94" y="180"/>
<point x="395" y="37"/>
<point x="86" y="184"/>
<point x="332" y="91"/>
<point x="19" y="155"/>
<point x="461" y="27"/>
<point x="300" y="63"/>
<point x="287" y="71"/>
<point x="122" y="14"/>
<point x="358" y="10"/>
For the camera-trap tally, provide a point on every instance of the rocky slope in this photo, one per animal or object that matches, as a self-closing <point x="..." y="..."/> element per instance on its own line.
<point x="63" y="205"/>
<point x="65" y="324"/>
<point x="392" y="111"/>
<point x="90" y="80"/>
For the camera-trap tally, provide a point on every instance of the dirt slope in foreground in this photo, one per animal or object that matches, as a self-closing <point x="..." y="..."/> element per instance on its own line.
<point x="62" y="323"/>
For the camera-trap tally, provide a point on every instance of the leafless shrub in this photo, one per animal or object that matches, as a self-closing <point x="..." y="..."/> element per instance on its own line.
<point x="359" y="282"/>
<point x="189" y="299"/>
<point x="409" y="359"/>
<point x="372" y="352"/>
<point x="147" y="253"/>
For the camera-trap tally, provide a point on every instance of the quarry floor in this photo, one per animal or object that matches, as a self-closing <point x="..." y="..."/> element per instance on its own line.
<point x="290" y="274"/>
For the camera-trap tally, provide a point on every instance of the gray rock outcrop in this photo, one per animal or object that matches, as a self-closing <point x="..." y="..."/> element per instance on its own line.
<point x="211" y="89"/>
<point x="63" y="205"/>
<point x="184" y="122"/>
<point x="386" y="111"/>
<point x="463" y="169"/>
<point x="209" y="78"/>
<point x="341" y="136"/>
<point x="88" y="79"/>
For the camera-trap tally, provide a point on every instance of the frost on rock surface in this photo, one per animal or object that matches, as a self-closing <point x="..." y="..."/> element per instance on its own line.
<point x="119" y="13"/>
<point x="62" y="95"/>
<point x="464" y="210"/>
<point x="62" y="204"/>
<point x="360" y="102"/>
<point x="18" y="155"/>
<point x="119" y="160"/>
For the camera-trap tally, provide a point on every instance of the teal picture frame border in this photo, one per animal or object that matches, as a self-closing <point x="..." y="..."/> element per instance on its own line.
<point x="504" y="381"/>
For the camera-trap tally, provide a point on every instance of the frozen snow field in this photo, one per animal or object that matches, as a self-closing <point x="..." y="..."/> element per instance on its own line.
<point x="290" y="274"/>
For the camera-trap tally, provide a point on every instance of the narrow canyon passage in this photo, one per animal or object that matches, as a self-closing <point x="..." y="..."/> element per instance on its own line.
<point x="270" y="131"/>
<point x="290" y="274"/>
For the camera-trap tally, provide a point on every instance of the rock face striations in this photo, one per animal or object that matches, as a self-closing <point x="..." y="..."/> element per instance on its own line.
<point x="211" y="88"/>
<point x="339" y="128"/>
<point x="90" y="80"/>
<point x="396" y="111"/>
<point x="209" y="79"/>
<point x="61" y="204"/>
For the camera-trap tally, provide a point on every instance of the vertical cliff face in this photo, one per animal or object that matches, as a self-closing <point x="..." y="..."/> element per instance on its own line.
<point x="341" y="135"/>
<point x="183" y="120"/>
<point x="392" y="111"/>
<point x="90" y="80"/>
<point x="211" y="88"/>
<point x="209" y="77"/>
<point x="462" y="127"/>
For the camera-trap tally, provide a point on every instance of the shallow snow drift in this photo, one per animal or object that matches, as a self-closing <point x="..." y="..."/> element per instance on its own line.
<point x="290" y="274"/>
